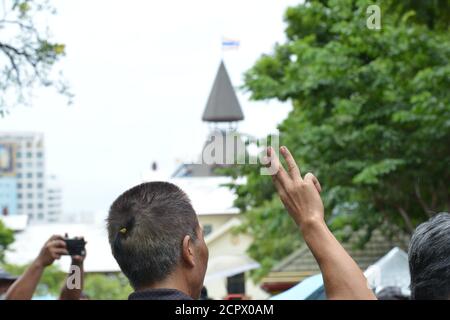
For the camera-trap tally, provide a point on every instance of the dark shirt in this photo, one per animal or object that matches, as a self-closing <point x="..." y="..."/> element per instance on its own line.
<point x="159" y="294"/>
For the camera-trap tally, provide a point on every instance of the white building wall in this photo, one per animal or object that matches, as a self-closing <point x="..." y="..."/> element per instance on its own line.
<point x="228" y="244"/>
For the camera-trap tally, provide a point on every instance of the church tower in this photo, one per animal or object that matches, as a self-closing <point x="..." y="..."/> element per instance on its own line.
<point x="222" y="105"/>
<point x="222" y="113"/>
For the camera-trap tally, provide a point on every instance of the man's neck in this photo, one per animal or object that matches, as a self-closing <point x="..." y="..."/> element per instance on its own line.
<point x="171" y="282"/>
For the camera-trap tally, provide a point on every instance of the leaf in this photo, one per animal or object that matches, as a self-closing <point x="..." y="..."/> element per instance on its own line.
<point x="372" y="173"/>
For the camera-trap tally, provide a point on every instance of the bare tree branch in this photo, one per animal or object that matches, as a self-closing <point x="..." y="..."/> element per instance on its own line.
<point x="6" y="50"/>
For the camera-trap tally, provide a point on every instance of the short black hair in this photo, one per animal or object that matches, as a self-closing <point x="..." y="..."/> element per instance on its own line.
<point x="146" y="227"/>
<point x="392" y="293"/>
<point x="429" y="259"/>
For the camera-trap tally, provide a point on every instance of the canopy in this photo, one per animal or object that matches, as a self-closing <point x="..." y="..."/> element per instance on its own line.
<point x="303" y="290"/>
<point x="392" y="270"/>
<point x="228" y="266"/>
<point x="28" y="243"/>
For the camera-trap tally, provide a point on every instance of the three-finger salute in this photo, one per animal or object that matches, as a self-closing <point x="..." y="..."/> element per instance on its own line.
<point x="300" y="196"/>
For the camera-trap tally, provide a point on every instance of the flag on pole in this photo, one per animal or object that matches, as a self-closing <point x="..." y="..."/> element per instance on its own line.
<point x="230" y="44"/>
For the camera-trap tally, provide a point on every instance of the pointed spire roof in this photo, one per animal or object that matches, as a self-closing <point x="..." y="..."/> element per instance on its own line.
<point x="222" y="105"/>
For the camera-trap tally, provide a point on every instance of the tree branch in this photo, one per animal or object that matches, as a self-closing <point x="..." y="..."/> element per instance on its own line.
<point x="408" y="222"/>
<point x="6" y="49"/>
<point x="422" y="203"/>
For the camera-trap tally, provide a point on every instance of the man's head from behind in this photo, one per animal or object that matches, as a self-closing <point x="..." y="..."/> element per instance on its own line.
<point x="156" y="238"/>
<point x="429" y="259"/>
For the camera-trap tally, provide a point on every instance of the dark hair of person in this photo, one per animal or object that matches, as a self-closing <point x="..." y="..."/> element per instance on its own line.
<point x="392" y="293"/>
<point x="429" y="259"/>
<point x="146" y="228"/>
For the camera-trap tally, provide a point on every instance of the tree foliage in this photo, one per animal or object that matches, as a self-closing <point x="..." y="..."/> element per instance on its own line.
<point x="371" y="118"/>
<point x="27" y="53"/>
<point x="107" y="287"/>
<point x="6" y="238"/>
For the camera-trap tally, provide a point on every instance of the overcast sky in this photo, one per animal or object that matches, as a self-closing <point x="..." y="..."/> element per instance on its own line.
<point x="141" y="72"/>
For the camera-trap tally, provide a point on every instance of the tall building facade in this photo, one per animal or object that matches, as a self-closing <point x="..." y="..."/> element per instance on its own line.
<point x="53" y="199"/>
<point x="8" y="181"/>
<point x="8" y="196"/>
<point x="27" y="168"/>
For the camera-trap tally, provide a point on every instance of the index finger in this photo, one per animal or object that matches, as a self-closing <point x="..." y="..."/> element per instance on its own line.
<point x="293" y="169"/>
<point x="280" y="174"/>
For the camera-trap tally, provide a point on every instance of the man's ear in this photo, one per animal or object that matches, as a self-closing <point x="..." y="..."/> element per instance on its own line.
<point x="188" y="251"/>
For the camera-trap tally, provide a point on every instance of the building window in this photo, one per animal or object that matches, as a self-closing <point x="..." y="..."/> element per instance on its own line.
<point x="40" y="185"/>
<point x="40" y="206"/>
<point x="29" y="185"/>
<point x="39" y="154"/>
<point x="30" y="206"/>
<point x="29" y="155"/>
<point x="30" y="196"/>
<point x="19" y="155"/>
<point x="19" y="196"/>
<point x="236" y="284"/>
<point x="40" y="216"/>
<point x="207" y="229"/>
<point x="29" y="175"/>
<point x="40" y="174"/>
<point x="19" y="186"/>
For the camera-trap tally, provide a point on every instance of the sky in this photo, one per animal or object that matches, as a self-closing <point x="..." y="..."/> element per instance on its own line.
<point x="141" y="72"/>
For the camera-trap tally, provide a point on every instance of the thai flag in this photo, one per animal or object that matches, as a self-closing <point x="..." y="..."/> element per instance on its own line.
<point x="230" y="44"/>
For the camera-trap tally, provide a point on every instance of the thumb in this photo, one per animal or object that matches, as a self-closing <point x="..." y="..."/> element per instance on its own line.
<point x="309" y="177"/>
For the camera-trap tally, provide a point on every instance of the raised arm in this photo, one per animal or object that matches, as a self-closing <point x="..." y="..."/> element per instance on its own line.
<point x="342" y="277"/>
<point x="73" y="291"/>
<point x="24" y="287"/>
<point x="73" y="286"/>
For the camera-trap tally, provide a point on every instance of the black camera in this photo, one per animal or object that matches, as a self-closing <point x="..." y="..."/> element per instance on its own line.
<point x="75" y="246"/>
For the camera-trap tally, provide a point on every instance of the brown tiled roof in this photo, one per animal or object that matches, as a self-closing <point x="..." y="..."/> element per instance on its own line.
<point x="301" y="263"/>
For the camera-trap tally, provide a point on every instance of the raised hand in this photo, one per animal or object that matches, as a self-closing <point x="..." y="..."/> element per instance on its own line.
<point x="300" y="196"/>
<point x="52" y="250"/>
<point x="342" y="277"/>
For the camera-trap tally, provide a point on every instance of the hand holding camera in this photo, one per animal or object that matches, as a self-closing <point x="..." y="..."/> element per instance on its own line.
<point x="52" y="250"/>
<point x="76" y="248"/>
<point x="57" y="246"/>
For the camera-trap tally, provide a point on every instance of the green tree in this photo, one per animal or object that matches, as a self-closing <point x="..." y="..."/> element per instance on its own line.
<point x="27" y="53"/>
<point x="6" y="238"/>
<point x="371" y="118"/>
<point x="107" y="287"/>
